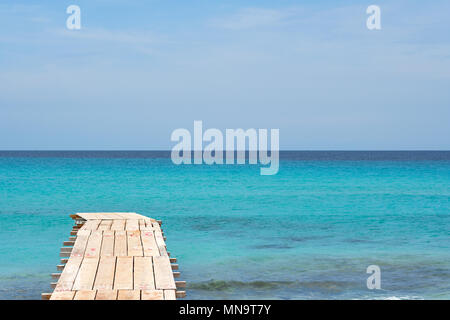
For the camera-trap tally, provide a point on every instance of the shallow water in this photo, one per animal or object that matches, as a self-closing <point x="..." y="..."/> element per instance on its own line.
<point x="308" y="232"/>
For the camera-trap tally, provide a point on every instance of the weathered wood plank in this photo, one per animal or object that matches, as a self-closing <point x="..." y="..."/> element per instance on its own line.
<point x="80" y="244"/>
<point x="123" y="279"/>
<point x="86" y="275"/>
<point x="129" y="295"/>
<point x="118" y="225"/>
<point x="46" y="296"/>
<point x="169" y="295"/>
<point x="67" y="278"/>
<point x="143" y="273"/>
<point x="107" y="244"/>
<point x="62" y="295"/>
<point x="160" y="239"/>
<point x="94" y="244"/>
<point x="134" y="243"/>
<point x="105" y="225"/>
<point x="120" y="244"/>
<point x="106" y="295"/>
<point x="105" y="273"/>
<point x="132" y="225"/>
<point x="152" y="295"/>
<point x="85" y="295"/>
<point x="90" y="225"/>
<point x="163" y="273"/>
<point x="149" y="243"/>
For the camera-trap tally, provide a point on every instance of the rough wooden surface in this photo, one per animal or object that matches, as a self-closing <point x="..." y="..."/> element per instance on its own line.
<point x="115" y="256"/>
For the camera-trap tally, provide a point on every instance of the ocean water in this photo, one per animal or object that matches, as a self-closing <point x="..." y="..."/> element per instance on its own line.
<point x="309" y="232"/>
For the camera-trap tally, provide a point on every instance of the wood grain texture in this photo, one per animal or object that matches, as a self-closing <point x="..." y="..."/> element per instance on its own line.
<point x="129" y="295"/>
<point x="134" y="244"/>
<point x="149" y="243"/>
<point x="62" y="295"/>
<point x="123" y="278"/>
<point x="86" y="275"/>
<point x="94" y="244"/>
<point x="143" y="273"/>
<point x="105" y="274"/>
<point x="152" y="295"/>
<point x="80" y="244"/>
<point x="85" y="295"/>
<point x="120" y="244"/>
<point x="163" y="273"/>
<point x="106" y="295"/>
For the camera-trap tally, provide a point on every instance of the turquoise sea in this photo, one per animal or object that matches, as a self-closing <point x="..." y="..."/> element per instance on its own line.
<point x="308" y="232"/>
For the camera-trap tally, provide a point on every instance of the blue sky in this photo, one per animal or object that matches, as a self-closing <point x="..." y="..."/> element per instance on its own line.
<point x="137" y="70"/>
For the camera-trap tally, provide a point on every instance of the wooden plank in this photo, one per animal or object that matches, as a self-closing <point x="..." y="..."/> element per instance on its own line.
<point x="130" y="215"/>
<point x="123" y="279"/>
<point x="89" y="216"/>
<point x="106" y="295"/>
<point x="85" y="295"/>
<point x="80" y="244"/>
<point x="105" y="225"/>
<point x="134" y="243"/>
<point x="91" y="225"/>
<point x="94" y="244"/>
<point x="129" y="295"/>
<point x="118" y="224"/>
<point x="67" y="278"/>
<point x="148" y="223"/>
<point x="46" y="296"/>
<point x="62" y="295"/>
<point x="142" y="225"/>
<point x="152" y="295"/>
<point x="163" y="273"/>
<point x="86" y="275"/>
<point x="107" y="244"/>
<point x="159" y="238"/>
<point x="169" y="295"/>
<point x="143" y="273"/>
<point x="105" y="273"/>
<point x="149" y="243"/>
<point x="132" y="225"/>
<point x="120" y="244"/>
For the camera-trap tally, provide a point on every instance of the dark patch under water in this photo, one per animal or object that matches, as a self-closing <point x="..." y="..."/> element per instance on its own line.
<point x="221" y="285"/>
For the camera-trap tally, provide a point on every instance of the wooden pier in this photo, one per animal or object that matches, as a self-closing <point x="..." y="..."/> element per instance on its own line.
<point x="115" y="256"/>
